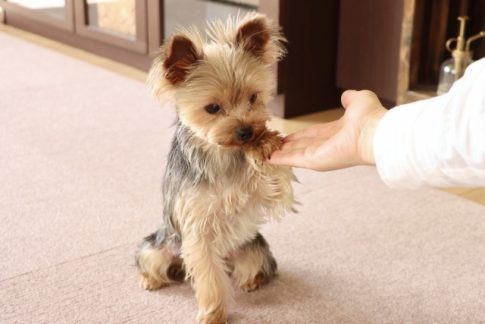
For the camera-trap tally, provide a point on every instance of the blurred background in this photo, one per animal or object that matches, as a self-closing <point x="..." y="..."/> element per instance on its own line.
<point x="394" y="48"/>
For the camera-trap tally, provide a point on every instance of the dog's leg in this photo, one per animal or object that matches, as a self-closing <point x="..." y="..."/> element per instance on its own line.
<point x="253" y="263"/>
<point x="208" y="271"/>
<point x="158" y="261"/>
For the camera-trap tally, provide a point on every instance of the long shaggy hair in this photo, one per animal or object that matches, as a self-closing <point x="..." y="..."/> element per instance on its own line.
<point x="217" y="188"/>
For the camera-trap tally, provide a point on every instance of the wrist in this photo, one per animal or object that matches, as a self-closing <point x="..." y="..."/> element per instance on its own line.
<point x="366" y="138"/>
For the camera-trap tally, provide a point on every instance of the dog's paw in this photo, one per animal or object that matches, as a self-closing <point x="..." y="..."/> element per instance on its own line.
<point x="264" y="146"/>
<point x="147" y="282"/>
<point x="270" y="142"/>
<point x="253" y="284"/>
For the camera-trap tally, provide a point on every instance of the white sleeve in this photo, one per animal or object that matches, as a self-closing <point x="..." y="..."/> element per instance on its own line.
<point x="437" y="142"/>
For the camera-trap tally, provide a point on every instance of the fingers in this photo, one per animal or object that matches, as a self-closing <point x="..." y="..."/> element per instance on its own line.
<point x="315" y="157"/>
<point x="299" y="143"/>
<point x="292" y="153"/>
<point x="298" y="148"/>
<point x="294" y="158"/>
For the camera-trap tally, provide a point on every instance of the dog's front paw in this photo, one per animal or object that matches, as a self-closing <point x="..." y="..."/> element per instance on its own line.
<point x="264" y="146"/>
<point x="270" y="142"/>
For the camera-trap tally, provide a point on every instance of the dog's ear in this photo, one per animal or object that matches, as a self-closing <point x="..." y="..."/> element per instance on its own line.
<point x="260" y="37"/>
<point x="254" y="35"/>
<point x="179" y="54"/>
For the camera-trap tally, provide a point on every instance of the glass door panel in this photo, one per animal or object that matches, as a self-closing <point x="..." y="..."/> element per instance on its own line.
<point x="116" y="17"/>
<point x="117" y="22"/>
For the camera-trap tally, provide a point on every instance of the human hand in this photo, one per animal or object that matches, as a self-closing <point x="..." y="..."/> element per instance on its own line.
<point x="339" y="144"/>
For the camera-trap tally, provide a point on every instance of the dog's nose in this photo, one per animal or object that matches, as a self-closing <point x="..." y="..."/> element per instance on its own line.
<point x="244" y="133"/>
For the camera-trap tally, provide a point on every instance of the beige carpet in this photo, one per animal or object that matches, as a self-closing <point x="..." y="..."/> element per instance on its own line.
<point x="82" y="153"/>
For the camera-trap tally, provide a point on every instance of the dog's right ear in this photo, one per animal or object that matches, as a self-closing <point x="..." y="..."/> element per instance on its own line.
<point x="178" y="56"/>
<point x="181" y="56"/>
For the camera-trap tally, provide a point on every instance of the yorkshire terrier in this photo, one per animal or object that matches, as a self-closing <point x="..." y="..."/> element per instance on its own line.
<point x="217" y="188"/>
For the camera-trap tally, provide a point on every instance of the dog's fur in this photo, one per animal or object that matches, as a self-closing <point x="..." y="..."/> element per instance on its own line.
<point x="217" y="188"/>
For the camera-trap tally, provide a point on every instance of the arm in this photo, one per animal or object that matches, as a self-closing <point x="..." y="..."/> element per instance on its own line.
<point x="436" y="142"/>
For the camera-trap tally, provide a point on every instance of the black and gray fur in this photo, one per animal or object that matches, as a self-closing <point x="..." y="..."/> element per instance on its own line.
<point x="189" y="165"/>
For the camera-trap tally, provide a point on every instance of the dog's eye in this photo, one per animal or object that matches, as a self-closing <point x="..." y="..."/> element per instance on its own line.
<point x="253" y="98"/>
<point x="212" y="108"/>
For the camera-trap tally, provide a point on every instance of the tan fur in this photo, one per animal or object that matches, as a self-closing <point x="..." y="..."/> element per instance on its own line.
<point x="250" y="269"/>
<point x="219" y="216"/>
<point x="153" y="267"/>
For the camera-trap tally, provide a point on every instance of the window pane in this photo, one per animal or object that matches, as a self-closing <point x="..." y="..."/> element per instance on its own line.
<point x="113" y="16"/>
<point x="53" y="8"/>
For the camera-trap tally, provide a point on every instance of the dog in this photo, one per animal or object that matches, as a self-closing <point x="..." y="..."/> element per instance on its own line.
<point x="217" y="188"/>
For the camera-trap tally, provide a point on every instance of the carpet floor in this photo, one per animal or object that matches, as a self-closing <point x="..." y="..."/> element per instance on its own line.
<point x="82" y="152"/>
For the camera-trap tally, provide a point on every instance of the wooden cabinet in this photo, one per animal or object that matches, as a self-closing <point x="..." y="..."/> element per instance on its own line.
<point x="395" y="48"/>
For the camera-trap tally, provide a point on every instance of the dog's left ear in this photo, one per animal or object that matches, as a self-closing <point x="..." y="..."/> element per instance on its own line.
<point x="260" y="37"/>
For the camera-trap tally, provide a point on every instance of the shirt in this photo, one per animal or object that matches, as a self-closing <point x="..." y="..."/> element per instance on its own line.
<point x="436" y="142"/>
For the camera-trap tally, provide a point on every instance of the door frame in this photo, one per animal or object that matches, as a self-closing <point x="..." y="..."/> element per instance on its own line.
<point x="46" y="26"/>
<point x="64" y="24"/>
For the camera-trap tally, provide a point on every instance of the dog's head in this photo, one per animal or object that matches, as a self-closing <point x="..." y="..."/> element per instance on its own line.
<point x="221" y="87"/>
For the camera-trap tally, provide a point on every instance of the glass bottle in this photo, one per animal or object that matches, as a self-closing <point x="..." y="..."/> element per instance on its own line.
<point x="452" y="69"/>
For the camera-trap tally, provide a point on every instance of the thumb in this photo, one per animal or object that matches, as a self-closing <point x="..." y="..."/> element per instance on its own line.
<point x="347" y="97"/>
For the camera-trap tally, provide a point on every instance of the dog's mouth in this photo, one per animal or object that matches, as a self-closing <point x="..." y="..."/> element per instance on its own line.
<point x="257" y="139"/>
<point x="245" y="143"/>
